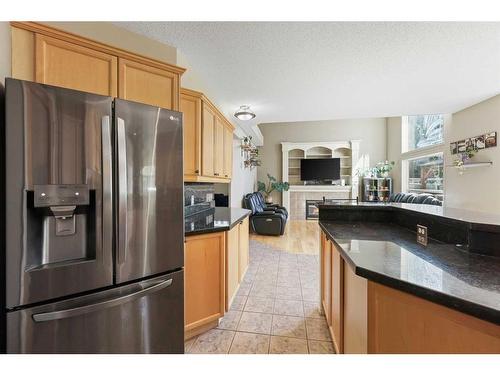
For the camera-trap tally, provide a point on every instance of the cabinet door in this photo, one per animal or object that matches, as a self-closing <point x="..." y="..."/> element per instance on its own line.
<point x="69" y="65"/>
<point x="232" y="264"/>
<point x="219" y="148"/>
<point x="148" y="84"/>
<point x="337" y="299"/>
<point x="326" y="280"/>
<point x="228" y="152"/>
<point x="191" y="111"/>
<point x="244" y="248"/>
<point x="207" y="149"/>
<point x="204" y="279"/>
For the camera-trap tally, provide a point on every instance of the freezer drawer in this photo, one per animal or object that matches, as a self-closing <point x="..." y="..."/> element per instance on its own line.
<point x="144" y="317"/>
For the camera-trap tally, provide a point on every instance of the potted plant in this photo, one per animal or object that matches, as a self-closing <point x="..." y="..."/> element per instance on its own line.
<point x="385" y="168"/>
<point x="272" y="185"/>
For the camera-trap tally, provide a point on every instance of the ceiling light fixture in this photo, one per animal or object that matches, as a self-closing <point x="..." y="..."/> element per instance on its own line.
<point x="244" y="113"/>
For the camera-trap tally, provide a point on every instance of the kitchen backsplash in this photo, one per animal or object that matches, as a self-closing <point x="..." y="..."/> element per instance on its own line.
<point x="198" y="197"/>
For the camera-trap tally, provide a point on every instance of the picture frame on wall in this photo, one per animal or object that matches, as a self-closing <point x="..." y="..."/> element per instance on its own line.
<point x="480" y="144"/>
<point x="490" y="139"/>
<point x="453" y="148"/>
<point x="461" y="146"/>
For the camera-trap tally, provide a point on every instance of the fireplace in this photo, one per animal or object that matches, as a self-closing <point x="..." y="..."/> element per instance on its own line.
<point x="312" y="210"/>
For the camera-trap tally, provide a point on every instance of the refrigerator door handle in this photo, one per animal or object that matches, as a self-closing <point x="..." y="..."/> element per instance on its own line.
<point x="147" y="288"/>
<point x="107" y="186"/>
<point x="122" y="191"/>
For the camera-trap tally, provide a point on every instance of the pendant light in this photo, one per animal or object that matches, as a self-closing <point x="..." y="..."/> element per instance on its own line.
<point x="244" y="113"/>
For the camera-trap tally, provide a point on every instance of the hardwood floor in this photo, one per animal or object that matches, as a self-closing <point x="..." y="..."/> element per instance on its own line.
<point x="301" y="236"/>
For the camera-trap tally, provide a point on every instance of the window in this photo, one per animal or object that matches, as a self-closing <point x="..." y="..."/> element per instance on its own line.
<point x="424" y="131"/>
<point x="425" y="175"/>
<point x="423" y="154"/>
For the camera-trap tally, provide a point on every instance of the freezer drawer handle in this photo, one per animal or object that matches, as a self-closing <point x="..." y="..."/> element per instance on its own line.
<point x="68" y="313"/>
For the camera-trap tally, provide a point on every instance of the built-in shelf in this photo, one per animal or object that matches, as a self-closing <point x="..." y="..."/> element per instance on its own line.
<point x="472" y="165"/>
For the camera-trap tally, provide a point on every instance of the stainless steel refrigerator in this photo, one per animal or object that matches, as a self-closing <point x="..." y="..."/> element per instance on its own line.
<point x="94" y="223"/>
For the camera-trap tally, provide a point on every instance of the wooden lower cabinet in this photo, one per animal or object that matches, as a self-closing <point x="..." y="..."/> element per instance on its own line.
<point x="232" y="264"/>
<point x="204" y="288"/>
<point x="237" y="246"/>
<point x="326" y="280"/>
<point x="367" y="317"/>
<point x="337" y="304"/>
<point x="399" y="322"/>
<point x="244" y="256"/>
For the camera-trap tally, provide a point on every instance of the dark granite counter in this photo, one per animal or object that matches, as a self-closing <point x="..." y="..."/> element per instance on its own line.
<point x="216" y="219"/>
<point x="387" y="253"/>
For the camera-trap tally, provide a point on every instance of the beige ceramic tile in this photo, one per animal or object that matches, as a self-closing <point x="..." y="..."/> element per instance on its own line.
<point x="215" y="341"/>
<point x="249" y="343"/>
<point x="288" y="307"/>
<point x="259" y="304"/>
<point x="313" y="310"/>
<point x="320" y="347"/>
<point x="317" y="329"/>
<point x="310" y="294"/>
<point x="238" y="303"/>
<point x="290" y="326"/>
<point x="287" y="345"/>
<point x="255" y="322"/>
<point x="286" y="292"/>
<point x="189" y="344"/>
<point x="230" y="320"/>
<point x="268" y="291"/>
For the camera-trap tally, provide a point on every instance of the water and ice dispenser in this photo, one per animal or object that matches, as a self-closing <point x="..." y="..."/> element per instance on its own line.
<point x="60" y="224"/>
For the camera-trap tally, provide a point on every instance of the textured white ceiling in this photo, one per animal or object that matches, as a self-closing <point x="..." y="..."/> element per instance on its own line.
<point x="301" y="71"/>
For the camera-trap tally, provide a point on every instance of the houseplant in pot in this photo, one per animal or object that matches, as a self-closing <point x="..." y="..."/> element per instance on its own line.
<point x="272" y="185"/>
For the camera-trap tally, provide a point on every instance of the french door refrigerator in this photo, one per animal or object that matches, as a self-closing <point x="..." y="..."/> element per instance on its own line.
<point x="94" y="223"/>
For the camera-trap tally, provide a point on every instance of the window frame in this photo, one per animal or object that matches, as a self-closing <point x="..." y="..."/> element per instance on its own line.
<point x="427" y="151"/>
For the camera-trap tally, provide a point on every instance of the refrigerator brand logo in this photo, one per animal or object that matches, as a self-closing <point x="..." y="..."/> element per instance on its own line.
<point x="174" y="118"/>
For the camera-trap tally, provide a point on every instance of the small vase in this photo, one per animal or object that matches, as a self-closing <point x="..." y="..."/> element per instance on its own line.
<point x="269" y="199"/>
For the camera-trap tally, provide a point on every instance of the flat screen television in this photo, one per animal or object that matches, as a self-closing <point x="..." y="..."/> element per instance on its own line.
<point x="319" y="169"/>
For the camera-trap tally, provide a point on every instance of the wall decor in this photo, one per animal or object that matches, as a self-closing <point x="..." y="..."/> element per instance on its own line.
<point x="490" y="139"/>
<point x="474" y="144"/>
<point x="250" y="153"/>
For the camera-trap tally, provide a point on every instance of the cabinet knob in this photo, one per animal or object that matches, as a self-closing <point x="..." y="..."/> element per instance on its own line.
<point x="216" y="174"/>
<point x="226" y="175"/>
<point x="197" y="171"/>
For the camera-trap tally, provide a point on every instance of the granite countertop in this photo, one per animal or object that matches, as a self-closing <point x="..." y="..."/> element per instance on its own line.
<point x="472" y="217"/>
<point x="442" y="273"/>
<point x="216" y="219"/>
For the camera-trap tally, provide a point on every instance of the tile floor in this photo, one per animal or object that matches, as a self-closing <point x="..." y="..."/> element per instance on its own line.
<point x="275" y="311"/>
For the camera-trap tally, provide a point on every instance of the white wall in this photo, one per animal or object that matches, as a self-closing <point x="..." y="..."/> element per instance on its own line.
<point x="371" y="132"/>
<point x="4" y="51"/>
<point x="478" y="188"/>
<point x="394" y="150"/>
<point x="243" y="180"/>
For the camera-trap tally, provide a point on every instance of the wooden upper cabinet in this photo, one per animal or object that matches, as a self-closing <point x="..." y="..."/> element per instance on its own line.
<point x="228" y="152"/>
<point x="147" y="84"/>
<point x="219" y="148"/>
<point x="72" y="66"/>
<point x="191" y="112"/>
<point x="207" y="149"/>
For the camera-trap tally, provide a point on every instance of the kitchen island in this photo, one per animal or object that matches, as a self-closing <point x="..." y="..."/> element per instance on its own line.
<point x="384" y="293"/>
<point x="215" y="261"/>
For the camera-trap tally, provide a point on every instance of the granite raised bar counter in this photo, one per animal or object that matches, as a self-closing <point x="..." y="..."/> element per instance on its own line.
<point x="216" y="219"/>
<point x="216" y="256"/>
<point x="382" y="292"/>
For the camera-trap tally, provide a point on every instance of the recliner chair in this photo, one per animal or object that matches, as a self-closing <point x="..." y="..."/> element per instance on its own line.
<point x="264" y="220"/>
<point x="268" y="206"/>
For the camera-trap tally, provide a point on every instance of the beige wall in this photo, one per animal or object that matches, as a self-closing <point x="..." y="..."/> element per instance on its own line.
<point x="244" y="180"/>
<point x="371" y="132"/>
<point x="394" y="150"/>
<point x="4" y="51"/>
<point x="115" y="36"/>
<point x="477" y="189"/>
